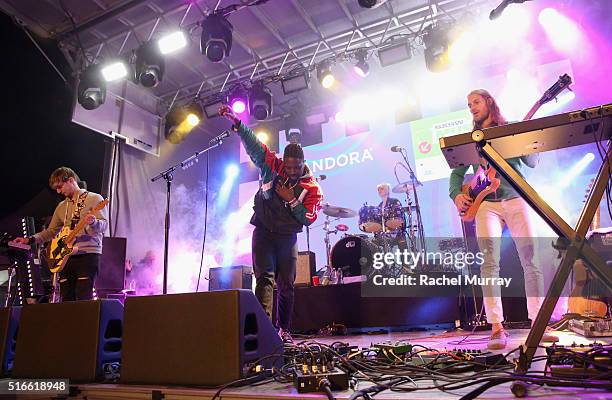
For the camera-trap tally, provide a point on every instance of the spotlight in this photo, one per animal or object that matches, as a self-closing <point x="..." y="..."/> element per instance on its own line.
<point x="436" y="43"/>
<point x="180" y="121"/>
<point x="150" y="65"/>
<point x="371" y="3"/>
<point x="296" y="81"/>
<point x="216" y="40"/>
<point x="361" y="67"/>
<point x="260" y="101"/>
<point x="263" y="136"/>
<point x="238" y="99"/>
<point x="211" y="107"/>
<point x="91" y="92"/>
<point x="172" y="42"/>
<point x="325" y="76"/>
<point x="394" y="53"/>
<point x="115" y="70"/>
<point x="231" y="171"/>
<point x="193" y="114"/>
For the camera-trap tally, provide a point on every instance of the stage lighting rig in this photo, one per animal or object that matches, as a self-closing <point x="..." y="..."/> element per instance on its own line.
<point x="260" y="101"/>
<point x="436" y="41"/>
<point x="150" y="65"/>
<point x="91" y="91"/>
<point x="216" y="39"/>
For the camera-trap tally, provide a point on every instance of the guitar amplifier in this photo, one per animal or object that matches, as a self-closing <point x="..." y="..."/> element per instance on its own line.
<point x="306" y="268"/>
<point x="236" y="277"/>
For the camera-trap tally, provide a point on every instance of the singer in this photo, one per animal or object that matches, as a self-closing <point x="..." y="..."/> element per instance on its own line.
<point x="289" y="198"/>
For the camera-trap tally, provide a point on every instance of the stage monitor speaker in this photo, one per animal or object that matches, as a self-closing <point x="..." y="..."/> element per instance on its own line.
<point x="206" y="339"/>
<point x="111" y="275"/>
<point x="236" y="277"/>
<point x="306" y="268"/>
<point x="9" y="323"/>
<point x="72" y="340"/>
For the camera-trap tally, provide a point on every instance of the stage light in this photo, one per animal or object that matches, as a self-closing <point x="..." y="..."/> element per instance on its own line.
<point x="371" y="3"/>
<point x="263" y="136"/>
<point x="91" y="91"/>
<point x="394" y="53"/>
<point x="238" y="100"/>
<point x="231" y="171"/>
<point x="216" y="39"/>
<point x="150" y="65"/>
<point x="115" y="70"/>
<point x="436" y="43"/>
<point x="325" y="75"/>
<point x="361" y="67"/>
<point x="193" y="113"/>
<point x="211" y="107"/>
<point x="172" y="42"/>
<point x="296" y="81"/>
<point x="260" y="101"/>
<point x="180" y="121"/>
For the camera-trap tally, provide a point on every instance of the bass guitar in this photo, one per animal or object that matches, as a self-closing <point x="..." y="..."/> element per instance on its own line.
<point x="62" y="246"/>
<point x="484" y="182"/>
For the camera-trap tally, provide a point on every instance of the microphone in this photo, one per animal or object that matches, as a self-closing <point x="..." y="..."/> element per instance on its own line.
<point x="497" y="12"/>
<point x="321" y="178"/>
<point x="219" y="138"/>
<point x="397" y="149"/>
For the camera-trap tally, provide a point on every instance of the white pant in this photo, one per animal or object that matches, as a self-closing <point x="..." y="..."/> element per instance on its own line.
<point x="490" y="220"/>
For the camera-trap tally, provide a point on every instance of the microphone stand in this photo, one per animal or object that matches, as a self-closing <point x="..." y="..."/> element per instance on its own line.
<point x="168" y="176"/>
<point x="414" y="180"/>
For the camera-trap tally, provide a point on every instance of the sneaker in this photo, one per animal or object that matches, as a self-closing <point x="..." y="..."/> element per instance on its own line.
<point x="498" y="340"/>
<point x="548" y="336"/>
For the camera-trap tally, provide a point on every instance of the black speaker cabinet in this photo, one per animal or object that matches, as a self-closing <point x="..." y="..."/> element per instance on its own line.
<point x="195" y="338"/>
<point x="111" y="275"/>
<point x="9" y="323"/>
<point x="236" y="277"/>
<point x="72" y="340"/>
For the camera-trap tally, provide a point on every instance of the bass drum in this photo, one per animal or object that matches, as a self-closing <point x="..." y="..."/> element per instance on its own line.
<point x="352" y="253"/>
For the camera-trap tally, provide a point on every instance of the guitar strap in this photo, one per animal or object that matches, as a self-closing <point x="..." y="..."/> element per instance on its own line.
<point x="76" y="213"/>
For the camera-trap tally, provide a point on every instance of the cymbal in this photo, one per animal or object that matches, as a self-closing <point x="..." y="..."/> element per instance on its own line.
<point x="340" y="212"/>
<point x="405" y="186"/>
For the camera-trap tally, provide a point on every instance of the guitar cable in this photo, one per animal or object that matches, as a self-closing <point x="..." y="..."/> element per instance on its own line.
<point x="205" y="224"/>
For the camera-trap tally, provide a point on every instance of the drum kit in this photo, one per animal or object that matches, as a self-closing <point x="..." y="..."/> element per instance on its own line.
<point x="380" y="227"/>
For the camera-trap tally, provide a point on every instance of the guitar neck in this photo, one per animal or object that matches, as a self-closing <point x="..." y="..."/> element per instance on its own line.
<point x="533" y="110"/>
<point x="76" y="230"/>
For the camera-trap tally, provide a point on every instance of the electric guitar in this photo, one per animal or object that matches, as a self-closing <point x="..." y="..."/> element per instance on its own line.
<point x="484" y="182"/>
<point x="62" y="246"/>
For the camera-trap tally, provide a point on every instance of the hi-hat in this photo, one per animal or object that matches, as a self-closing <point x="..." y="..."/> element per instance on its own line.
<point x="339" y="212"/>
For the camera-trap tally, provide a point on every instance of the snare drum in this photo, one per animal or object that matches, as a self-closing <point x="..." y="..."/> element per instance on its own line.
<point x="370" y="219"/>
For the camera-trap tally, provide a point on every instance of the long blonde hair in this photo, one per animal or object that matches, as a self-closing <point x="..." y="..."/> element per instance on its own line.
<point x="496" y="116"/>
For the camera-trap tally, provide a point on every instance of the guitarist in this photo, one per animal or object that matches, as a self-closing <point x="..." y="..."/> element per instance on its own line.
<point x="77" y="277"/>
<point x="503" y="207"/>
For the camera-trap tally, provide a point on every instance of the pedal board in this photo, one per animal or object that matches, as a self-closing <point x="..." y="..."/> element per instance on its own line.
<point x="591" y="328"/>
<point x="481" y="360"/>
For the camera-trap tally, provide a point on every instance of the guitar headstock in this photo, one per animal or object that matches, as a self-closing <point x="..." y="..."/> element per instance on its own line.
<point x="562" y="83"/>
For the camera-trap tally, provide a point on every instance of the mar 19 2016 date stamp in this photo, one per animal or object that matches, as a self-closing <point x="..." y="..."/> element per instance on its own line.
<point x="34" y="386"/>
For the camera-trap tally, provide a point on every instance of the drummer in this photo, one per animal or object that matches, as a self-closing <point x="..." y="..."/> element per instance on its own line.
<point x="392" y="210"/>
